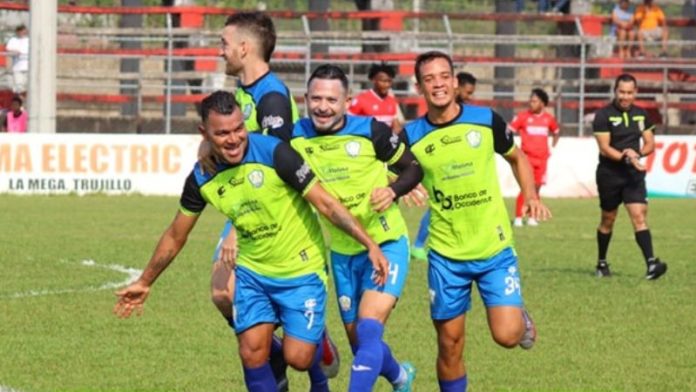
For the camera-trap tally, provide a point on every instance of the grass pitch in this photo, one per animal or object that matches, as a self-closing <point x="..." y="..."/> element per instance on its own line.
<point x="59" y="256"/>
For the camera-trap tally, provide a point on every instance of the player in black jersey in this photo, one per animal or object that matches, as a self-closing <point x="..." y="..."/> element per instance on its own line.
<point x="619" y="128"/>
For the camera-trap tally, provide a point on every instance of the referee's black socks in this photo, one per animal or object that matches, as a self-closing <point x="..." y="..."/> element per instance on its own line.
<point x="602" y="245"/>
<point x="644" y="240"/>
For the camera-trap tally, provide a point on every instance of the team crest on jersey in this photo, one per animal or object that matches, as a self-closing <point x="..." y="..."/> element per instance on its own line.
<point x="272" y="122"/>
<point x="247" y="111"/>
<point x="474" y="138"/>
<point x="394" y="140"/>
<point x="353" y="149"/>
<point x="344" y="302"/>
<point x="310" y="303"/>
<point x="256" y="178"/>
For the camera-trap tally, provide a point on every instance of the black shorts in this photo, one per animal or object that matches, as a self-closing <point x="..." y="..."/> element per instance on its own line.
<point x="620" y="184"/>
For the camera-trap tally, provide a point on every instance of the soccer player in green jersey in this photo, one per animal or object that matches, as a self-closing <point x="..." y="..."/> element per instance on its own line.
<point x="350" y="154"/>
<point x="470" y="232"/>
<point x="247" y="43"/>
<point x="266" y="189"/>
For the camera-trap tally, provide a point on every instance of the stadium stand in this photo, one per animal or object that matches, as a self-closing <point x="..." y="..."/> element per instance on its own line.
<point x="545" y="48"/>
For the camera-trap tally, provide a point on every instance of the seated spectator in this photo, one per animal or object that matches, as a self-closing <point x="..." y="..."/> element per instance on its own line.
<point x="16" y="118"/>
<point x="378" y="101"/>
<point x="652" y="26"/>
<point x="467" y="86"/>
<point x="622" y="27"/>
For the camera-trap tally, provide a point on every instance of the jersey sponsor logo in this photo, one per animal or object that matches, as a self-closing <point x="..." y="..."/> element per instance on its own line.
<point x="394" y="140"/>
<point x="329" y="147"/>
<point x="615" y="121"/>
<point x="302" y="173"/>
<point x="272" y="122"/>
<point x="246" y="111"/>
<point x="429" y="149"/>
<point x="352" y="149"/>
<point x="461" y="200"/>
<point x="344" y="302"/>
<point x="236" y="181"/>
<point x="450" y="139"/>
<point x="474" y="138"/>
<point x="535" y="130"/>
<point x="256" y="178"/>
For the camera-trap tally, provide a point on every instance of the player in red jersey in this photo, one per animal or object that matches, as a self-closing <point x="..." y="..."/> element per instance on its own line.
<point x="534" y="126"/>
<point x="379" y="102"/>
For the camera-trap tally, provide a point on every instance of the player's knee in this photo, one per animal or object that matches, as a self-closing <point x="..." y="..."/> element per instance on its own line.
<point x="222" y="300"/>
<point x="252" y="355"/>
<point x="299" y="360"/>
<point x="509" y="336"/>
<point x="450" y="348"/>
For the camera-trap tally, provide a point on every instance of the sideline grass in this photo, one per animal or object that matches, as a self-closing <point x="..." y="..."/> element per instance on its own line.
<point x="623" y="333"/>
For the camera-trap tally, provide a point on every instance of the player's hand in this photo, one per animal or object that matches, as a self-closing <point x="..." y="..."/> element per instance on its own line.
<point x="380" y="264"/>
<point x="534" y="208"/>
<point x="131" y="299"/>
<point x="228" y="250"/>
<point x="382" y="198"/>
<point x="418" y="197"/>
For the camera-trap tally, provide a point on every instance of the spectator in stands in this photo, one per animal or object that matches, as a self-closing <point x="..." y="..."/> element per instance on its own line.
<point x="535" y="126"/>
<point x="379" y="101"/>
<point x="18" y="47"/>
<point x="622" y="27"/>
<point x="467" y="87"/>
<point x="16" y="118"/>
<point x="652" y="26"/>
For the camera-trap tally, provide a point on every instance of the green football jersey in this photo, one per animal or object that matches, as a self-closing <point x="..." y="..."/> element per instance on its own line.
<point x="469" y="218"/>
<point x="278" y="234"/>
<point x="268" y="107"/>
<point x="351" y="163"/>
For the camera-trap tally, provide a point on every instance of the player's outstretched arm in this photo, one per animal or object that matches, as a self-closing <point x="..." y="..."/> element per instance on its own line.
<point x="340" y="217"/>
<point x="533" y="207"/>
<point x="132" y="298"/>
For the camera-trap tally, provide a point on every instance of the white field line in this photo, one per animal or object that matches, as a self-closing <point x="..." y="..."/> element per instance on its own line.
<point x="4" y="388"/>
<point x="132" y="275"/>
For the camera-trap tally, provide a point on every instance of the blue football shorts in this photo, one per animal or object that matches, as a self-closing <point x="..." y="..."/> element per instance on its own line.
<point x="297" y="304"/>
<point x="449" y="282"/>
<point x="353" y="275"/>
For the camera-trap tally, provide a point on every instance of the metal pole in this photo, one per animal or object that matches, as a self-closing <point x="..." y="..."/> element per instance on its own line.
<point x="308" y="54"/>
<point x="581" y="105"/>
<point x="43" y="16"/>
<point x="448" y="29"/>
<point x="168" y="98"/>
<point x="665" y="115"/>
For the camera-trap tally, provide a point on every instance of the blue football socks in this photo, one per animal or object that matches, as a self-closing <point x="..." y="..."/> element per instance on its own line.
<point x="457" y="385"/>
<point x="260" y="379"/>
<point x="367" y="363"/>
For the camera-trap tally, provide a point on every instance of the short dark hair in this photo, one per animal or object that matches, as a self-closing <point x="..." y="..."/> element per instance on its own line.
<point x="626" y="77"/>
<point x="466" y="78"/>
<point x="221" y="102"/>
<point x="428" y="57"/>
<point x="330" y="72"/>
<point x="20" y="28"/>
<point x="260" y="26"/>
<point x="17" y="99"/>
<point x="542" y="95"/>
<point x="381" y="67"/>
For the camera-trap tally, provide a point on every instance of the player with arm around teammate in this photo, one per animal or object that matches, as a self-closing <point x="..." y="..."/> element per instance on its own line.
<point x="266" y="188"/>
<point x="470" y="232"/>
<point x="349" y="154"/>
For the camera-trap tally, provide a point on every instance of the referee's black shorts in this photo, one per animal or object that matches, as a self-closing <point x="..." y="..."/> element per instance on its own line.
<point x="617" y="185"/>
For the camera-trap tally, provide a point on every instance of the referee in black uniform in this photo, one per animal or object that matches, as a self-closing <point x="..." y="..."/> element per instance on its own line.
<point x="619" y="128"/>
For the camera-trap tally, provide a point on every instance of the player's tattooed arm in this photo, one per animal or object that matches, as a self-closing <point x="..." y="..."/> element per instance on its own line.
<point x="340" y="217"/>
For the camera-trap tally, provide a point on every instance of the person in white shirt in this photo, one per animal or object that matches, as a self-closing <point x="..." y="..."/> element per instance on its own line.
<point x="18" y="47"/>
